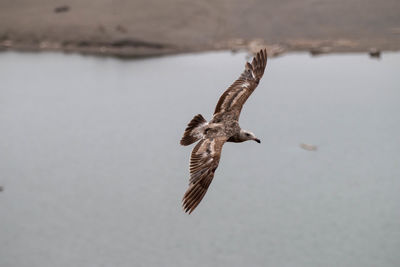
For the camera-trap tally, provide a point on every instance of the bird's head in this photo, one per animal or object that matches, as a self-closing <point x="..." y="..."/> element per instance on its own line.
<point x="247" y="135"/>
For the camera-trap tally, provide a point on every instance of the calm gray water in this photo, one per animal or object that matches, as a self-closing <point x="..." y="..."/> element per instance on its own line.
<point x="93" y="173"/>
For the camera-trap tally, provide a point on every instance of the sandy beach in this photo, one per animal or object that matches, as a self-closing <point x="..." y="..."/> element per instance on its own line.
<point x="150" y="28"/>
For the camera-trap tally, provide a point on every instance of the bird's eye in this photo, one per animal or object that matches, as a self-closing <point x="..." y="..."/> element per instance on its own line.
<point x="247" y="134"/>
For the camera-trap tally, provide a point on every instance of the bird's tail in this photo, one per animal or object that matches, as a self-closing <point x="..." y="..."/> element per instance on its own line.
<point x="193" y="131"/>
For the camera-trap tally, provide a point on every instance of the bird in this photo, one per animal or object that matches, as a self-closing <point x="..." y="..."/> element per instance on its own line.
<point x="223" y="127"/>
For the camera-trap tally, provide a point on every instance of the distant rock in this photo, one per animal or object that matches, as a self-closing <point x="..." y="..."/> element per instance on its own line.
<point x="102" y="29"/>
<point x="315" y="51"/>
<point x="374" y="53"/>
<point x="308" y="147"/>
<point x="121" y="29"/>
<point x="61" y="9"/>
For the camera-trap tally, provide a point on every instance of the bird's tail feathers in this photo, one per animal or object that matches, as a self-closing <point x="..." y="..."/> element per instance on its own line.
<point x="193" y="130"/>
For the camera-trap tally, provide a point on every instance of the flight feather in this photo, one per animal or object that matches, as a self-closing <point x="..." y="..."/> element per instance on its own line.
<point x="237" y="94"/>
<point x="204" y="161"/>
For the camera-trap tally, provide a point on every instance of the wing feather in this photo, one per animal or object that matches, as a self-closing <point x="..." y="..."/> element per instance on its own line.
<point x="237" y="94"/>
<point x="203" y="163"/>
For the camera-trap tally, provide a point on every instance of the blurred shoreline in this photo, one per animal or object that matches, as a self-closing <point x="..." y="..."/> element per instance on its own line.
<point x="131" y="29"/>
<point x="132" y="49"/>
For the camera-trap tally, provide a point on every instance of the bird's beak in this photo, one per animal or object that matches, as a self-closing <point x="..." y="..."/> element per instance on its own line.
<point x="257" y="140"/>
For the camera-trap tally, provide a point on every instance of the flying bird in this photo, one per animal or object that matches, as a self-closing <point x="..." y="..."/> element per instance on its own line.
<point x="223" y="127"/>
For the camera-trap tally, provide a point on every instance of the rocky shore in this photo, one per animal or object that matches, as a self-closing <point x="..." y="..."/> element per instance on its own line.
<point x="140" y="28"/>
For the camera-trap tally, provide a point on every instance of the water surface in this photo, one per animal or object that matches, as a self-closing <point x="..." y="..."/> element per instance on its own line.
<point x="93" y="173"/>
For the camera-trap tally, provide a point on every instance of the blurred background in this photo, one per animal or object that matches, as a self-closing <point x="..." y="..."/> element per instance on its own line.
<point x="148" y="27"/>
<point x="91" y="170"/>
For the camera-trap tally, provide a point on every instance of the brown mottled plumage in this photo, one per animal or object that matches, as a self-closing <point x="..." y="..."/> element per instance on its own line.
<point x="224" y="127"/>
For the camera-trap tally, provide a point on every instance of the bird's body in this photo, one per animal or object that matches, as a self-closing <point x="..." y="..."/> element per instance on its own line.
<point x="223" y="127"/>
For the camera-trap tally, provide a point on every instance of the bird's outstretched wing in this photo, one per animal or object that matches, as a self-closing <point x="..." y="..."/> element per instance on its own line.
<point x="236" y="95"/>
<point x="203" y="163"/>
